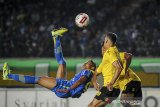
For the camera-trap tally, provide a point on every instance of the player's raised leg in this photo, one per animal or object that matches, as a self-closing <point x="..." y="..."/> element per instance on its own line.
<point x="46" y="82"/>
<point x="7" y="75"/>
<point x="61" y="72"/>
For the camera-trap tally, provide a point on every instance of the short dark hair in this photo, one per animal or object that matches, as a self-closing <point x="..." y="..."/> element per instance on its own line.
<point x="112" y="37"/>
<point x="102" y="44"/>
<point x="94" y="64"/>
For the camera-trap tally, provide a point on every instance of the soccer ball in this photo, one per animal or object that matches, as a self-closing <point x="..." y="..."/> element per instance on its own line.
<point x="82" y="20"/>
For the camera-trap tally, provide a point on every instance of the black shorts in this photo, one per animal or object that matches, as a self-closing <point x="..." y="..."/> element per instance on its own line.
<point x="133" y="87"/>
<point x="104" y="93"/>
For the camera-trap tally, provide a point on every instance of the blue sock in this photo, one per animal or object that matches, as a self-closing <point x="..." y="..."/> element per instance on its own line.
<point x="24" y="78"/>
<point x="58" y="51"/>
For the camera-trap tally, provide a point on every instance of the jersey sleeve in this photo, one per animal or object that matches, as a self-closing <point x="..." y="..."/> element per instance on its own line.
<point x="86" y="73"/>
<point x="122" y="55"/>
<point x="99" y="69"/>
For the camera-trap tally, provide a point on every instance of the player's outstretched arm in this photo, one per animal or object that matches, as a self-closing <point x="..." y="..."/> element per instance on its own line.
<point x="94" y="80"/>
<point x="128" y="58"/>
<point x="82" y="80"/>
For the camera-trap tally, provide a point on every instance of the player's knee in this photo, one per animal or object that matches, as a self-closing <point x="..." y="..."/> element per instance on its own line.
<point x="62" y="66"/>
<point x="92" y="105"/>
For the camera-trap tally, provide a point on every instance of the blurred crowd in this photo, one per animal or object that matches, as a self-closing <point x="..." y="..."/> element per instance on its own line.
<point x="26" y="25"/>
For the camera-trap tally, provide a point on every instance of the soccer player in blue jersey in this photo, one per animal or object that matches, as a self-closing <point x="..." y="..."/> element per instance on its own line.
<point x="60" y="86"/>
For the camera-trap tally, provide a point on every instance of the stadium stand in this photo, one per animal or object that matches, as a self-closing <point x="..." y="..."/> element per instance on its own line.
<point x="26" y="25"/>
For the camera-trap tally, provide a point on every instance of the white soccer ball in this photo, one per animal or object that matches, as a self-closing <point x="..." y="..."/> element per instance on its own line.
<point x="82" y="20"/>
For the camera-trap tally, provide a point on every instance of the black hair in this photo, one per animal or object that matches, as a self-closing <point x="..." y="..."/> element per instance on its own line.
<point x="94" y="64"/>
<point x="112" y="37"/>
<point x="102" y="44"/>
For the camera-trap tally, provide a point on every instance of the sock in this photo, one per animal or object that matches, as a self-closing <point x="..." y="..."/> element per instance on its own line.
<point x="58" y="51"/>
<point x="24" y="78"/>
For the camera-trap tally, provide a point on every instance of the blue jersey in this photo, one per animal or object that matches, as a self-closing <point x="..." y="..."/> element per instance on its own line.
<point x="65" y="84"/>
<point x="83" y="87"/>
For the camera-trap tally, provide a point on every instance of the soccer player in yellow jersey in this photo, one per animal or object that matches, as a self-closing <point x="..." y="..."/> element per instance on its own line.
<point x="129" y="83"/>
<point x="110" y="68"/>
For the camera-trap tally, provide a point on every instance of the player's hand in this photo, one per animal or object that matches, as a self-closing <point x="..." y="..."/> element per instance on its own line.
<point x="110" y="87"/>
<point x="96" y="85"/>
<point x="63" y="90"/>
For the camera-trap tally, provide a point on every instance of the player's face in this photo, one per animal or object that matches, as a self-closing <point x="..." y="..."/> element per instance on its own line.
<point x="88" y="65"/>
<point x="106" y="43"/>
